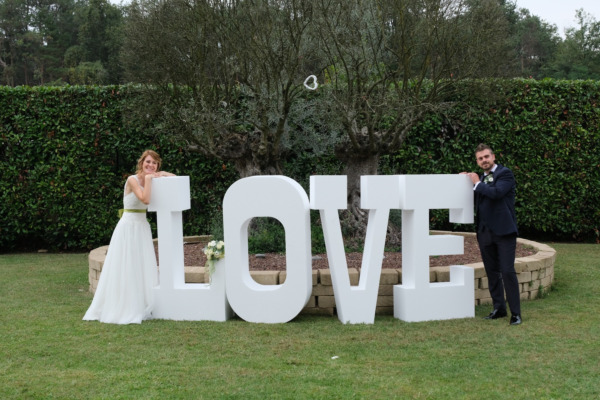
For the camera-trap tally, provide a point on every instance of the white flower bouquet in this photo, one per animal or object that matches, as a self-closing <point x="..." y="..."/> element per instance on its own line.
<point x="214" y="250"/>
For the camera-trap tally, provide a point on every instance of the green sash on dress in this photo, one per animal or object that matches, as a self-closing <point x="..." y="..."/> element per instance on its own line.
<point x="132" y="210"/>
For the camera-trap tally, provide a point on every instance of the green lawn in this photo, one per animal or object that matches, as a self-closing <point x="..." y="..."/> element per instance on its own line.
<point x="46" y="351"/>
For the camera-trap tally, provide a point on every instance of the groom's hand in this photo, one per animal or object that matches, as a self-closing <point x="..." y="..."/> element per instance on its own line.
<point x="472" y="175"/>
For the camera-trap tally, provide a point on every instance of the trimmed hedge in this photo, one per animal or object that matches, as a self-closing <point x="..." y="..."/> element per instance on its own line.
<point x="65" y="153"/>
<point x="64" y="156"/>
<point x="547" y="132"/>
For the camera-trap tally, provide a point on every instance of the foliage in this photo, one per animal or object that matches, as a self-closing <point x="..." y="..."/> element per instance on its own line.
<point x="578" y="56"/>
<point x="531" y="44"/>
<point x="87" y="73"/>
<point x="389" y="63"/>
<point x="266" y="235"/>
<point x="43" y="42"/>
<point x="228" y="74"/>
<point x="100" y="37"/>
<point x="65" y="152"/>
<point x="547" y="132"/>
<point x="64" y="156"/>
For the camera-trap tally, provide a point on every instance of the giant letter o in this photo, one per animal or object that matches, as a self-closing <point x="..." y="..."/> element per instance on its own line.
<point x="284" y="199"/>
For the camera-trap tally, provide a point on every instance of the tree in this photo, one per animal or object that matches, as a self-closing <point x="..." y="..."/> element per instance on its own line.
<point x="578" y="56"/>
<point x="392" y="63"/>
<point x="535" y="43"/>
<point x="54" y="25"/>
<point x="100" y="39"/>
<point x="34" y="36"/>
<point x="14" y="19"/>
<point x="43" y="42"/>
<point x="226" y="76"/>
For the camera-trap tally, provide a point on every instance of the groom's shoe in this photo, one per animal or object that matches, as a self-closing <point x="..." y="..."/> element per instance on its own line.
<point x="497" y="313"/>
<point x="515" y="319"/>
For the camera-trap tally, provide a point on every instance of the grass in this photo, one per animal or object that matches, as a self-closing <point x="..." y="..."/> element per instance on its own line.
<point x="46" y="351"/>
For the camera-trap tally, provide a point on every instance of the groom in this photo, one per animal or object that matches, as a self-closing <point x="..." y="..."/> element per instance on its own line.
<point x="497" y="231"/>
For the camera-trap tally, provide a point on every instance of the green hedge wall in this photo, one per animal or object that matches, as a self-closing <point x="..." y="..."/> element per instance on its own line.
<point x="65" y="153"/>
<point x="547" y="132"/>
<point x="64" y="156"/>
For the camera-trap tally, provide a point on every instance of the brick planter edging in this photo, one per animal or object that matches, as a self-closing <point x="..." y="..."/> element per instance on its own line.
<point x="535" y="274"/>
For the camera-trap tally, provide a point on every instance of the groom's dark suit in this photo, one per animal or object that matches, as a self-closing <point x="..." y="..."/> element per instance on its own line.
<point x="497" y="236"/>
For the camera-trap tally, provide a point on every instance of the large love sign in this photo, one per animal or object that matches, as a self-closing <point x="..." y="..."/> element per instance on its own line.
<point x="234" y="290"/>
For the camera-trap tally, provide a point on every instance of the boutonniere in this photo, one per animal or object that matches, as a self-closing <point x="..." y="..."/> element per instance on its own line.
<point x="489" y="178"/>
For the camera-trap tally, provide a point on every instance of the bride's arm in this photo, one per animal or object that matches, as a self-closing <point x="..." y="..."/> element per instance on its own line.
<point x="141" y="193"/>
<point x="165" y="173"/>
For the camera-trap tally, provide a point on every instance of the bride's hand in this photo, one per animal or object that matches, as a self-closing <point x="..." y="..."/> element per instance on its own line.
<point x="165" y="174"/>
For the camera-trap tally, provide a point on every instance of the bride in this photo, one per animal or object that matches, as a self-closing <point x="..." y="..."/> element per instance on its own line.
<point x="124" y="292"/>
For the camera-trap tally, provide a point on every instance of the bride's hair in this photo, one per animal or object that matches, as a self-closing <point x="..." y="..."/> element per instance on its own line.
<point x="147" y="153"/>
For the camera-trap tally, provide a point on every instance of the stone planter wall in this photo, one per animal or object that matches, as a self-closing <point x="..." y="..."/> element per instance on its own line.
<point x="535" y="274"/>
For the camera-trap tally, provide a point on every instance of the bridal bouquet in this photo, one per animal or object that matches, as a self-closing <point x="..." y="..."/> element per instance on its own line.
<point x="214" y="250"/>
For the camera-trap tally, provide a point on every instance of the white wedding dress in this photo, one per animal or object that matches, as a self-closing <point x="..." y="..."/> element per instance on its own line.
<point x="125" y="290"/>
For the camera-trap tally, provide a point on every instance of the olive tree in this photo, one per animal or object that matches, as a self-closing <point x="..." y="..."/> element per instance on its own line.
<point x="389" y="63"/>
<point x="228" y="75"/>
<point x="224" y="75"/>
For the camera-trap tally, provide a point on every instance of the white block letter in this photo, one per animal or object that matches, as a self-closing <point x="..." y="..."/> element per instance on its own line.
<point x="174" y="299"/>
<point x="284" y="199"/>
<point x="355" y="304"/>
<point x="417" y="299"/>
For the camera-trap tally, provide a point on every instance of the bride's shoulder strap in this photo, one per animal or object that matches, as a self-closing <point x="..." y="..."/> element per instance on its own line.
<point x="130" y="189"/>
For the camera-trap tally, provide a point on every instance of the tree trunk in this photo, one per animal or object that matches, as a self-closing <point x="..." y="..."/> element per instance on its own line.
<point x="248" y="153"/>
<point x="355" y="168"/>
<point x="247" y="167"/>
<point x="355" y="219"/>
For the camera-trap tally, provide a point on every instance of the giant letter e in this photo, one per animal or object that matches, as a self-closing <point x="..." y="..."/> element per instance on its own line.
<point x="416" y="299"/>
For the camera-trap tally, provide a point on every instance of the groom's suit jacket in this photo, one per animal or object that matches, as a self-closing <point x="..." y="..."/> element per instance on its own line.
<point x="495" y="203"/>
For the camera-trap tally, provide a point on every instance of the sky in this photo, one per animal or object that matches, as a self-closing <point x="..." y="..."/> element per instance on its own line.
<point x="560" y="12"/>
